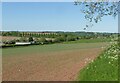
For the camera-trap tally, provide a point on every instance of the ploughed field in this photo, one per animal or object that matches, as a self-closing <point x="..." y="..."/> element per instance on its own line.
<point x="6" y="38"/>
<point x="55" y="62"/>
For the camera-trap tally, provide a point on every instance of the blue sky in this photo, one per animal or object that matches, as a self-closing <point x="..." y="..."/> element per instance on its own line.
<point x="50" y="16"/>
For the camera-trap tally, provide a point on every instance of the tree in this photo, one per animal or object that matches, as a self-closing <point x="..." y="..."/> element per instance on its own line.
<point x="9" y="42"/>
<point x="31" y="39"/>
<point x="49" y="41"/>
<point x="95" y="11"/>
<point x="57" y="39"/>
<point x="23" y="39"/>
<point x="42" y="40"/>
<point x="70" y="38"/>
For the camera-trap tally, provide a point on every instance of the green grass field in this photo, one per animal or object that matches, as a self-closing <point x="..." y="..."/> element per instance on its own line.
<point x="90" y="40"/>
<point x="48" y="48"/>
<point x="105" y="67"/>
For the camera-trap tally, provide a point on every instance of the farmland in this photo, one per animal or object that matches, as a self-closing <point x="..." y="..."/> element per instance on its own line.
<point x="9" y="38"/>
<point x="66" y="41"/>
<point x="54" y="62"/>
<point x="104" y="67"/>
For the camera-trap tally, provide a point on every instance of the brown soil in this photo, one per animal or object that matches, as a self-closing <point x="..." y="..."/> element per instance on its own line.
<point x="5" y="38"/>
<point x="55" y="66"/>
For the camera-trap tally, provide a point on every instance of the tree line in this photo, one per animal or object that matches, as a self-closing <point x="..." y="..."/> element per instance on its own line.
<point x="81" y="35"/>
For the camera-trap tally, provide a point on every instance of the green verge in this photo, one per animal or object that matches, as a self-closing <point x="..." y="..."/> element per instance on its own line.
<point x="89" y="40"/>
<point x="37" y="49"/>
<point x="104" y="68"/>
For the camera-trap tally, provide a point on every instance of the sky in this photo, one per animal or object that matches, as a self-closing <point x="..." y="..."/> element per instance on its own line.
<point x="50" y="16"/>
<point x="57" y="0"/>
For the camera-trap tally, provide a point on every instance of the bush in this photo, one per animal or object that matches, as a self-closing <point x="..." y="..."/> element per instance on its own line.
<point x="9" y="42"/>
<point x="36" y="40"/>
<point x="23" y="39"/>
<point x="49" y="41"/>
<point x="30" y="39"/>
<point x="57" y="40"/>
<point x="70" y="38"/>
<point x="17" y="40"/>
<point x="42" y="40"/>
<point x="62" y="38"/>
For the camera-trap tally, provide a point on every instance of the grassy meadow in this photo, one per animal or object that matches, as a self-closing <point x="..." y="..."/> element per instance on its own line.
<point x="105" y="67"/>
<point x="49" y="48"/>
<point x="70" y="45"/>
<point x="97" y="40"/>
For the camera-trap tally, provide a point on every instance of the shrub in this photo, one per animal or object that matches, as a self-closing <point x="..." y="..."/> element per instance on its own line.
<point x="9" y="42"/>
<point x="57" y="40"/>
<point x="42" y="40"/>
<point x="49" y="41"/>
<point x="23" y="39"/>
<point x="30" y="39"/>
<point x="70" y="38"/>
<point x="17" y="40"/>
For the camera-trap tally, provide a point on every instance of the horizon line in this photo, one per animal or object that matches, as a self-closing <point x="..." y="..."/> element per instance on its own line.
<point x="55" y="31"/>
<point x="58" y="0"/>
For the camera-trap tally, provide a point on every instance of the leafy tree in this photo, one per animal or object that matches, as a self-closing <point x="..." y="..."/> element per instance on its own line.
<point x="57" y="39"/>
<point x="23" y="39"/>
<point x="95" y="11"/>
<point x="70" y="38"/>
<point x="42" y="40"/>
<point x="49" y="41"/>
<point x="17" y="40"/>
<point x="9" y="42"/>
<point x="62" y="38"/>
<point x="31" y="39"/>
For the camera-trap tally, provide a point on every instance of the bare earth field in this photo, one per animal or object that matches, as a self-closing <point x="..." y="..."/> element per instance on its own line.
<point x="8" y="38"/>
<point x="50" y="65"/>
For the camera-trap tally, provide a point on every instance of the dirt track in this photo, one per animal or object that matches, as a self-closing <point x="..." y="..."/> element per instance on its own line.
<point x="54" y="66"/>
